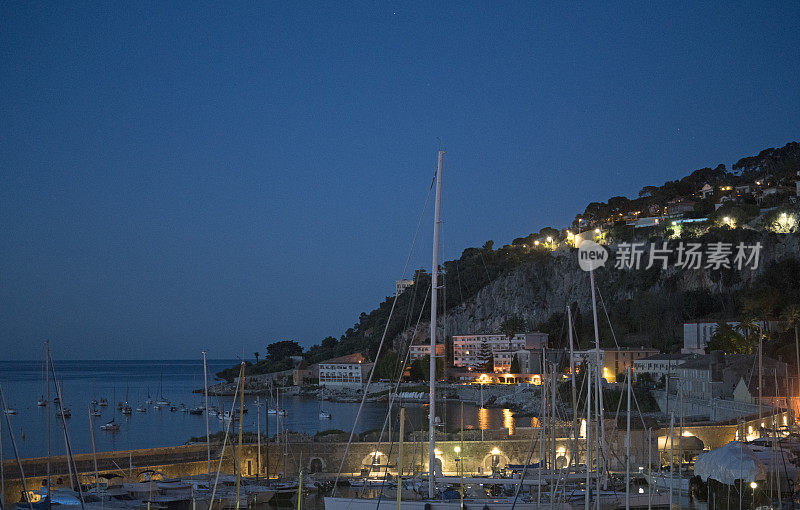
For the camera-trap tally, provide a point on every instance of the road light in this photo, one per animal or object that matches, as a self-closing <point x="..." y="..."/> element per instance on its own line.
<point x="597" y="231"/>
<point x="753" y="486"/>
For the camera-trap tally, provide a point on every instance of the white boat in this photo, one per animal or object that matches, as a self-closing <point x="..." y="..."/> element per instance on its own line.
<point x="11" y="410"/>
<point x="332" y="503"/>
<point x="323" y="414"/>
<point x="111" y="426"/>
<point x="141" y="409"/>
<point x="42" y="402"/>
<point x="95" y="412"/>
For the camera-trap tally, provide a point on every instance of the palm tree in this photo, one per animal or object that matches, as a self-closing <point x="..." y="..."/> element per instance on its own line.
<point x="257" y="354"/>
<point x="792" y="317"/>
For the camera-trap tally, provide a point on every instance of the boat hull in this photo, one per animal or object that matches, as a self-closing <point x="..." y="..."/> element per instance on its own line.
<point x="332" y="503"/>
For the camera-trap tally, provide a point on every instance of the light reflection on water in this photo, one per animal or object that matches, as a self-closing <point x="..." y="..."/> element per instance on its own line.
<point x="508" y="421"/>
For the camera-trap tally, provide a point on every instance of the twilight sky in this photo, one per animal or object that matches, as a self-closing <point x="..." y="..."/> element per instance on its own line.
<point x="222" y="175"/>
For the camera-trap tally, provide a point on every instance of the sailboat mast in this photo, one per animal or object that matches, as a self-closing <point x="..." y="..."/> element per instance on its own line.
<point x="205" y="393"/>
<point x="575" y="426"/>
<point x="434" y="290"/>
<point x="241" y="424"/>
<point x="628" y="448"/>
<point x="602" y="442"/>
<point x="48" y="410"/>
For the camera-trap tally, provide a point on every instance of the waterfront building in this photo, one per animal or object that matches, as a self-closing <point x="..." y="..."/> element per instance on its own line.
<point x="717" y="375"/>
<point x="615" y="360"/>
<point x="467" y="348"/>
<point x="661" y="366"/>
<point x="530" y="360"/>
<point x="419" y="351"/>
<point x="349" y="371"/>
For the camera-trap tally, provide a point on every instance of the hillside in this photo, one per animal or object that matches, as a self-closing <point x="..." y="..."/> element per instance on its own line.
<point x="536" y="276"/>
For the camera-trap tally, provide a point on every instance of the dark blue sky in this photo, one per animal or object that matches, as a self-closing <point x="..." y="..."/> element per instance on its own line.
<point x="225" y="175"/>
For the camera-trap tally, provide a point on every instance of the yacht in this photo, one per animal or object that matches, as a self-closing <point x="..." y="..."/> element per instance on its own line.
<point x="111" y="426"/>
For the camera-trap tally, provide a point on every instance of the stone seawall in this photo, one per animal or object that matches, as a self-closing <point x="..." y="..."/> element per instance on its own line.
<point x="325" y="459"/>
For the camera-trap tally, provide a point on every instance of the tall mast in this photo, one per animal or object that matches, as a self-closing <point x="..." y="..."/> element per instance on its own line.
<point x="628" y="448"/>
<point x="241" y="423"/>
<point x="602" y="442"/>
<point x="48" y="409"/>
<point x="434" y="290"/>
<point x="258" y="436"/>
<point x="575" y="426"/>
<point x="205" y="392"/>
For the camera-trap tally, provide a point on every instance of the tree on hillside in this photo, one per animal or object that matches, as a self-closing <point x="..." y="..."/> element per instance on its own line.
<point x="791" y="315"/>
<point x="257" y="354"/>
<point x="279" y="351"/>
<point x="729" y="341"/>
<point x="485" y="358"/>
<point x="328" y="342"/>
<point x="515" y="366"/>
<point x="387" y="365"/>
<point x="421" y="369"/>
<point x="512" y="325"/>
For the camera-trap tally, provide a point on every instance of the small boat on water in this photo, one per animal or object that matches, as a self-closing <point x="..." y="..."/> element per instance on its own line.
<point x="323" y="414"/>
<point x="42" y="402"/>
<point x="11" y="410"/>
<point x="196" y="411"/>
<point x="93" y="402"/>
<point x="228" y="416"/>
<point x="213" y="411"/>
<point x="126" y="409"/>
<point x="111" y="426"/>
<point x="173" y="408"/>
<point x="95" y="412"/>
<point x="103" y="402"/>
<point x="65" y="412"/>
<point x="141" y="409"/>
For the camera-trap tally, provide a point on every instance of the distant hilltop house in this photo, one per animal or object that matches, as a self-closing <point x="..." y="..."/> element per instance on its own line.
<point x="706" y="191"/>
<point x="696" y="335"/>
<point x="401" y="285"/>
<point x="679" y="207"/>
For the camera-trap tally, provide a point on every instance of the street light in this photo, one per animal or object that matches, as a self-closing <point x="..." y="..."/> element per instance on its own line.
<point x="753" y="486"/>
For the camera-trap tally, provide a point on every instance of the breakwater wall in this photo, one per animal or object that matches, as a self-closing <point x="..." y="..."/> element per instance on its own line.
<point x="325" y="458"/>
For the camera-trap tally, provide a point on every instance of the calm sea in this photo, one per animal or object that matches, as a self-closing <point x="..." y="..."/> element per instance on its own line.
<point x="83" y="381"/>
